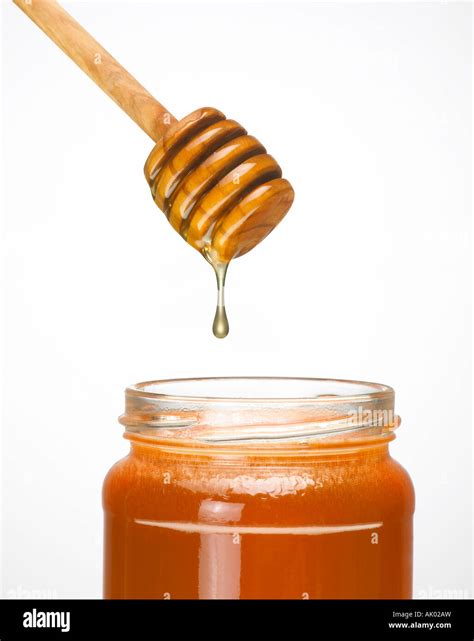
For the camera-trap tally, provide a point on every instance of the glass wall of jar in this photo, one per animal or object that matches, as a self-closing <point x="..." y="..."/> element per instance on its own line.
<point x="258" y="488"/>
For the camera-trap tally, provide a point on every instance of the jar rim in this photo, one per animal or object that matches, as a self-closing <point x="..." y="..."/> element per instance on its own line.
<point x="299" y="410"/>
<point x="373" y="391"/>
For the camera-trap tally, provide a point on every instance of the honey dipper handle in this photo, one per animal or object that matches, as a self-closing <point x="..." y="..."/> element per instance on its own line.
<point x="99" y="65"/>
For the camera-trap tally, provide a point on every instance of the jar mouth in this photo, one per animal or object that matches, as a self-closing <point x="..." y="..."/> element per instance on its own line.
<point x="258" y="411"/>
<point x="261" y="390"/>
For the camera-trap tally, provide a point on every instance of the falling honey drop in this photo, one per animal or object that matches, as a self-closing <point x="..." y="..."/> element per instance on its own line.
<point x="220" y="326"/>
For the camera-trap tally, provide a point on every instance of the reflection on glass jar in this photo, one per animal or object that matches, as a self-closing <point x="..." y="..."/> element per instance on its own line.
<point x="258" y="488"/>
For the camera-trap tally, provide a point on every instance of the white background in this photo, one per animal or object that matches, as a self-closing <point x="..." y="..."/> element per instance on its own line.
<point x="367" y="109"/>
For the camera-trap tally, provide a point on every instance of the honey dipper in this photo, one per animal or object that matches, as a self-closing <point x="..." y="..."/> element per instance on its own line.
<point x="217" y="186"/>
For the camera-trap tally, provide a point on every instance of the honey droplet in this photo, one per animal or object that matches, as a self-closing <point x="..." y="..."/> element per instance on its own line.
<point x="220" y="326"/>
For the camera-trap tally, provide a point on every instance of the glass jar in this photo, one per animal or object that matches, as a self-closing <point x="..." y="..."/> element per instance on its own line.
<point x="258" y="488"/>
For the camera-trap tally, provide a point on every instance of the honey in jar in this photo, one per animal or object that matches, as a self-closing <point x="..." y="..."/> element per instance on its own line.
<point x="258" y="488"/>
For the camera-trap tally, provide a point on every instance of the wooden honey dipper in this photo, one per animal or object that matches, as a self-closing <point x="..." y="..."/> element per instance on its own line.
<point x="217" y="186"/>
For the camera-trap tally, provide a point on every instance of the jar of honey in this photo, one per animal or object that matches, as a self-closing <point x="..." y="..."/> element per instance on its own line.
<point x="258" y="488"/>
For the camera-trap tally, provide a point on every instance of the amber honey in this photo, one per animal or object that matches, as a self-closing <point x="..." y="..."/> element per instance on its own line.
<point x="258" y="498"/>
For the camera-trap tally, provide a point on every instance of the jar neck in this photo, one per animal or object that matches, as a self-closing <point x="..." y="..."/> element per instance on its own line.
<point x="152" y="450"/>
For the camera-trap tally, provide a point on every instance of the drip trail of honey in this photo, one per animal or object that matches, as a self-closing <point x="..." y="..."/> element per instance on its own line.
<point x="220" y="326"/>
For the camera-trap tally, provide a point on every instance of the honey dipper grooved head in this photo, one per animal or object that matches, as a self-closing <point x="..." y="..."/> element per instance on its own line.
<point x="217" y="185"/>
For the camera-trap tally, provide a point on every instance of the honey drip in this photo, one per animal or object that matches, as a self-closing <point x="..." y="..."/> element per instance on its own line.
<point x="220" y="326"/>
